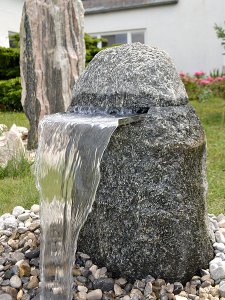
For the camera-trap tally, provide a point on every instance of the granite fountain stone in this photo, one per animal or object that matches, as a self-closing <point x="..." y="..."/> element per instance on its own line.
<point x="150" y="214"/>
<point x="130" y="119"/>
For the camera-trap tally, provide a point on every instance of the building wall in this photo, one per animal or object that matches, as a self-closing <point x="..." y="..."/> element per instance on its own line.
<point x="185" y="30"/>
<point x="10" y="16"/>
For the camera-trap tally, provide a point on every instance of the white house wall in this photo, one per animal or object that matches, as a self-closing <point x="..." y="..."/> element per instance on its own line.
<point x="185" y="30"/>
<point x="10" y="15"/>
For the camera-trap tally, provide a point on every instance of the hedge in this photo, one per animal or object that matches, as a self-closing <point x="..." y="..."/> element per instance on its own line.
<point x="9" y="63"/>
<point x="10" y="95"/>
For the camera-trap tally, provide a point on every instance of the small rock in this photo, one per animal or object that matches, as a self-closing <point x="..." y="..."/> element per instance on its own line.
<point x="105" y="284"/>
<point x="88" y="264"/>
<point x="19" y="295"/>
<point x="117" y="289"/>
<point x="94" y="295"/>
<point x="34" y="225"/>
<point x="15" y="281"/>
<point x="35" y="208"/>
<point x="136" y="294"/>
<point x="139" y="285"/>
<point x="23" y="217"/>
<point x="5" y="297"/>
<point x="33" y="283"/>
<point x="18" y="210"/>
<point x="222" y="223"/>
<point x="81" y="296"/>
<point x="128" y="287"/>
<point x="9" y="290"/>
<point x="222" y="288"/>
<point x="81" y="279"/>
<point x="178" y="287"/>
<point x="24" y="269"/>
<point x="33" y="253"/>
<point x="220" y="217"/>
<point x="84" y="256"/>
<point x="22" y="230"/>
<point x="13" y="244"/>
<point x="219" y="246"/>
<point x="219" y="237"/>
<point x="217" y="271"/>
<point x="10" y="222"/>
<point x="148" y="289"/>
<point x="82" y="289"/>
<point x="121" y="281"/>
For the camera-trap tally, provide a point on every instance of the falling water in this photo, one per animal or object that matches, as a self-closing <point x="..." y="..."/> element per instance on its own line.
<point x="67" y="171"/>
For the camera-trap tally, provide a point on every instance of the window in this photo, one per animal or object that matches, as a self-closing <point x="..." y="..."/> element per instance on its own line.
<point x="118" y="38"/>
<point x="138" y="37"/>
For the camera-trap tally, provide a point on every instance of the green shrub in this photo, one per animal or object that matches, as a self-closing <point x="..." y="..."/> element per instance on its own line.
<point x="10" y="95"/>
<point x="9" y="63"/>
<point x="91" y="47"/>
<point x="15" y="168"/>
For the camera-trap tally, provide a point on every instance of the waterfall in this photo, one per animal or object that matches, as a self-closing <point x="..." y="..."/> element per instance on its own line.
<point x="67" y="171"/>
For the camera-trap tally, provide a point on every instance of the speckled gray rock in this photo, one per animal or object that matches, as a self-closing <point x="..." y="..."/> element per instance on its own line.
<point x="51" y="59"/>
<point x="149" y="216"/>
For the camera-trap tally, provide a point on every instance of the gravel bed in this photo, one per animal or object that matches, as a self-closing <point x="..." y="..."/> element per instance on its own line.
<point x="19" y="268"/>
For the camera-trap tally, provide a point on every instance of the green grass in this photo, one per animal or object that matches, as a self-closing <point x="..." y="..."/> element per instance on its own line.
<point x="17" y="185"/>
<point x="19" y="189"/>
<point x="211" y="113"/>
<point x="10" y="118"/>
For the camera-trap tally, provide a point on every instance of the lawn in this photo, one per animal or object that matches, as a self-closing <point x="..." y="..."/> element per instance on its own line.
<point x="16" y="190"/>
<point x="22" y="191"/>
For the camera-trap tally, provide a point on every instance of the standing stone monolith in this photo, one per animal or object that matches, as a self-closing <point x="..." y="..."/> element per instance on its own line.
<point x="52" y="57"/>
<point x="150" y="214"/>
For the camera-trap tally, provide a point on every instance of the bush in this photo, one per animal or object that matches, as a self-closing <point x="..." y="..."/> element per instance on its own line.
<point x="10" y="95"/>
<point x="91" y="47"/>
<point x="201" y="87"/>
<point x="9" y="63"/>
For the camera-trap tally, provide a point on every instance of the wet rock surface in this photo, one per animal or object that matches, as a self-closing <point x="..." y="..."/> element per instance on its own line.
<point x="150" y="206"/>
<point x="20" y="274"/>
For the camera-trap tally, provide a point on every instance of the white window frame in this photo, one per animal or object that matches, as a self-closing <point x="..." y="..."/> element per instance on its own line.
<point x="129" y="32"/>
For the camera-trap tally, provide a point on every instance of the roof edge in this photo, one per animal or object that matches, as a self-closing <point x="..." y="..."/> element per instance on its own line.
<point x="102" y="9"/>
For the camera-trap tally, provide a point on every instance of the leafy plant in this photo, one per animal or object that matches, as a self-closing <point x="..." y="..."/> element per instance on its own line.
<point x="217" y="73"/>
<point x="92" y="48"/>
<point x="9" y="63"/>
<point x="14" y="40"/>
<point x="220" y="34"/>
<point x="10" y="95"/>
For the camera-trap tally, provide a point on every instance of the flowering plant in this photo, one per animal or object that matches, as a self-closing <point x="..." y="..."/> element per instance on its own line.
<point x="201" y="87"/>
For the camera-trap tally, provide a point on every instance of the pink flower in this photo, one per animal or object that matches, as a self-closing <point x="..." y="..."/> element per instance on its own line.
<point x="204" y="81"/>
<point x="182" y="74"/>
<point x="219" y="79"/>
<point x="199" y="73"/>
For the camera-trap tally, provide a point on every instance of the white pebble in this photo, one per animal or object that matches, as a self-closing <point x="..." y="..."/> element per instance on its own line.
<point x="18" y="210"/>
<point x="24" y="217"/>
<point x="35" y="208"/>
<point x="219" y="246"/>
<point x="15" y="282"/>
<point x="219" y="237"/>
